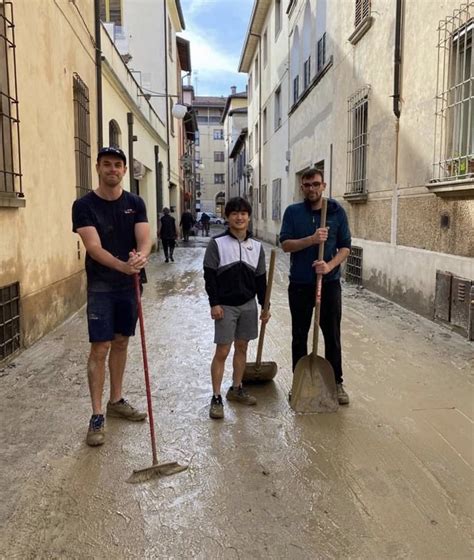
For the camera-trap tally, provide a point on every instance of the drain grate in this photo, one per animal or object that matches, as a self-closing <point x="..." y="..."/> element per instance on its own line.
<point x="9" y="319"/>
<point x="354" y="266"/>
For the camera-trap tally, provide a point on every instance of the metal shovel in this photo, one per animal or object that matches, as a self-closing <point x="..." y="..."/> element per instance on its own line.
<point x="260" y="372"/>
<point x="314" y="385"/>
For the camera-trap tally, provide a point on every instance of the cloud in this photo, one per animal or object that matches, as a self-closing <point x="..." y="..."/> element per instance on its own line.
<point x="207" y="56"/>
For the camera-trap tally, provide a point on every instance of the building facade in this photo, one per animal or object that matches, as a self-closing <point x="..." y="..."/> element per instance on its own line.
<point x="210" y="154"/>
<point x="380" y="97"/>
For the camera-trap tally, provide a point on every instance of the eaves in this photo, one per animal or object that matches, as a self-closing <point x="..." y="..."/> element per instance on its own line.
<point x="257" y="21"/>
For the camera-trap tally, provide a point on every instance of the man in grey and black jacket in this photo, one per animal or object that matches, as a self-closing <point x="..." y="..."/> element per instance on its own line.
<point x="234" y="272"/>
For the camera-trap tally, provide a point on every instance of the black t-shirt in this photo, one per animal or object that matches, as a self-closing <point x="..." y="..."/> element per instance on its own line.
<point x="115" y="222"/>
<point x="168" y="227"/>
<point x="187" y="220"/>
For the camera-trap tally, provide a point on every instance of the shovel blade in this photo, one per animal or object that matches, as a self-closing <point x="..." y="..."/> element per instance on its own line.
<point x="156" y="471"/>
<point x="314" y="386"/>
<point x="262" y="373"/>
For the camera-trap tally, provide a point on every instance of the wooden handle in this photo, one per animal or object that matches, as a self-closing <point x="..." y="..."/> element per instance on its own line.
<point x="266" y="306"/>
<point x="319" y="283"/>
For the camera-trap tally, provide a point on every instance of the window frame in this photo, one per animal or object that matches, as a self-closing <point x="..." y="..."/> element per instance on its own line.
<point x="357" y="143"/>
<point x="82" y="136"/>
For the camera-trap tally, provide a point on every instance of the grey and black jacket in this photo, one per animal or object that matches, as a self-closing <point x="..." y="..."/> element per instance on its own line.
<point x="234" y="271"/>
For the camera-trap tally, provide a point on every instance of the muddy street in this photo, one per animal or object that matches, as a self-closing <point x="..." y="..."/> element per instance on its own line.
<point x="387" y="477"/>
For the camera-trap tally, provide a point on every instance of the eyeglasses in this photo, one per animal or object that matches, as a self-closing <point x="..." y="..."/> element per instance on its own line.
<point x="314" y="184"/>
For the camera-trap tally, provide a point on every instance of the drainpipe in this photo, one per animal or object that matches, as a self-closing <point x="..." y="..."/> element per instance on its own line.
<point x="259" y="114"/>
<point x="98" y="74"/>
<point x="158" y="185"/>
<point x="397" y="79"/>
<point x="168" y="156"/>
<point x="130" y="150"/>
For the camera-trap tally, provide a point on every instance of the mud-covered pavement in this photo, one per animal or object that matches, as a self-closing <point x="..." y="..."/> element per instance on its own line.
<point x="388" y="477"/>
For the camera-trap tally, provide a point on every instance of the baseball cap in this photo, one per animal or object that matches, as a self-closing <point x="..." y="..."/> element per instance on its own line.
<point x="111" y="151"/>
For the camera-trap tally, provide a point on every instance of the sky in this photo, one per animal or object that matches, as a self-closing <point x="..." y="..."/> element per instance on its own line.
<point x="216" y="30"/>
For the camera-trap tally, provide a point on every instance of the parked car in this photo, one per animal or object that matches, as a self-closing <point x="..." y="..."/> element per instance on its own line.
<point x="215" y="219"/>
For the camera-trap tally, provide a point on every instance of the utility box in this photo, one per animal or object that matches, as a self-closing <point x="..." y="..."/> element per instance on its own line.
<point x="454" y="302"/>
<point x="443" y="295"/>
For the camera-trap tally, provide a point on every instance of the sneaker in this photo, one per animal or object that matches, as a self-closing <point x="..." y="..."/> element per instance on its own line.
<point x="342" y="396"/>
<point x="241" y="396"/>
<point x="96" y="431"/>
<point x="216" y="410"/>
<point x="167" y="260"/>
<point x="171" y="259"/>
<point x="123" y="409"/>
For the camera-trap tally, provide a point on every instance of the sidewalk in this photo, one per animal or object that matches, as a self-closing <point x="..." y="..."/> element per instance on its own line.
<point x="388" y="477"/>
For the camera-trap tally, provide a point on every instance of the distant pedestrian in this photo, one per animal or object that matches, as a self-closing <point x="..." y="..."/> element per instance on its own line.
<point x="234" y="272"/>
<point x="301" y="235"/>
<point x="205" y="221"/>
<point x="113" y="226"/>
<point x="168" y="233"/>
<point x="186" y="223"/>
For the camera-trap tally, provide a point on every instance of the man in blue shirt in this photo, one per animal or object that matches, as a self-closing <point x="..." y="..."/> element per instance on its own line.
<point x="300" y="235"/>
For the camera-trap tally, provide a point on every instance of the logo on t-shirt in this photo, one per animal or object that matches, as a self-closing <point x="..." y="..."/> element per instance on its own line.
<point x="129" y="211"/>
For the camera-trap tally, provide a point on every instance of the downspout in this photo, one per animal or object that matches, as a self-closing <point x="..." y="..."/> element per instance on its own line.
<point x="259" y="116"/>
<point x="397" y="78"/>
<point x="98" y="74"/>
<point x="168" y="156"/>
<point x="158" y="185"/>
<point x="130" y="150"/>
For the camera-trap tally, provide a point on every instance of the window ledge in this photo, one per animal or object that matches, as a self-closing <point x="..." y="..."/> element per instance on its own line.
<point x="356" y="198"/>
<point x="446" y="189"/>
<point x="361" y="30"/>
<point x="12" y="200"/>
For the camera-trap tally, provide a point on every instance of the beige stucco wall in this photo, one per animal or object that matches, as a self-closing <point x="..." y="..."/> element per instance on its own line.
<point x="37" y="246"/>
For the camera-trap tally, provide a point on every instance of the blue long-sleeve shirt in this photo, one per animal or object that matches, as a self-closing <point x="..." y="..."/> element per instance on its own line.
<point x="299" y="220"/>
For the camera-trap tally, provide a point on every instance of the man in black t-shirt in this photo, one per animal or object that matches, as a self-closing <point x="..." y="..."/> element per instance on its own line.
<point x="113" y="226"/>
<point x="168" y="233"/>
<point x="187" y="222"/>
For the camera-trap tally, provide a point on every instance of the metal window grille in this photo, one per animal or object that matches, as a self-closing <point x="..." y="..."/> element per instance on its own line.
<point x="10" y="158"/>
<point x="362" y="11"/>
<point x="307" y="72"/>
<point x="454" y="115"/>
<point x="276" y="199"/>
<point x="111" y="10"/>
<point x="357" y="141"/>
<point x="296" y="89"/>
<point x="9" y="320"/>
<point x="321" y="53"/>
<point x="353" y="272"/>
<point x="82" y="145"/>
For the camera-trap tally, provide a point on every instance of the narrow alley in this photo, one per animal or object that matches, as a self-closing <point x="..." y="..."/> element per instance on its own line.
<point x="388" y="477"/>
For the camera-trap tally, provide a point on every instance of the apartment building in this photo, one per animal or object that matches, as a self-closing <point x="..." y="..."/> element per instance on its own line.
<point x="210" y="154"/>
<point x="380" y="96"/>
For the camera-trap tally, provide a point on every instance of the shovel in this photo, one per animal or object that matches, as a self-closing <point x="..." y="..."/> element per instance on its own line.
<point x="314" y="385"/>
<point x="156" y="469"/>
<point x="260" y="372"/>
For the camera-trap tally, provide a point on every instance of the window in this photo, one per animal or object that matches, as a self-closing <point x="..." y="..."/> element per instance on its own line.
<point x="264" y="126"/>
<point x="454" y="132"/>
<point x="111" y="10"/>
<point x="170" y="39"/>
<point x="171" y="103"/>
<point x="307" y="72"/>
<point x="257" y="139"/>
<point x="218" y="178"/>
<point x="114" y="134"/>
<point x="357" y="142"/>
<point x="265" y="49"/>
<point x="362" y="11"/>
<point x="276" y="200"/>
<point x="277" y="17"/>
<point x="250" y="146"/>
<point x="218" y="134"/>
<point x="296" y="89"/>
<point x="196" y="138"/>
<point x="9" y="319"/>
<point x="250" y="87"/>
<point x="256" y="71"/>
<point x="321" y="53"/>
<point x="82" y="142"/>
<point x="218" y="156"/>
<point x="278" y="107"/>
<point x="10" y="169"/>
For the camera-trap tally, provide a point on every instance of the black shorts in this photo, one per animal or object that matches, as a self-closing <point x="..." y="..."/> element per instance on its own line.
<point x="111" y="313"/>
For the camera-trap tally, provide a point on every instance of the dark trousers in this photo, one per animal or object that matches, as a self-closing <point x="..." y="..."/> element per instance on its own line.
<point x="168" y="244"/>
<point x="186" y="233"/>
<point x="302" y="299"/>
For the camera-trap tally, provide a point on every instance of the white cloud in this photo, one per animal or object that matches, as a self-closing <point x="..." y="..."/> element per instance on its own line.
<point x="208" y="57"/>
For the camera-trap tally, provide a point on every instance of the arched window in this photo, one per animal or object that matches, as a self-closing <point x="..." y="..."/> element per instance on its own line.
<point x="115" y="135"/>
<point x="306" y="45"/>
<point x="295" y="66"/>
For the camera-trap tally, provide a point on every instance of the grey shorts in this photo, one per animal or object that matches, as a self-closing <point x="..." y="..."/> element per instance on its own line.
<point x="240" y="322"/>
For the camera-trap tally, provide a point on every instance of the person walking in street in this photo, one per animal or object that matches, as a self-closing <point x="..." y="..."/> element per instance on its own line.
<point x="168" y="233"/>
<point x="234" y="273"/>
<point x="186" y="223"/>
<point x="300" y="235"/>
<point x="205" y="221"/>
<point x="113" y="226"/>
